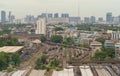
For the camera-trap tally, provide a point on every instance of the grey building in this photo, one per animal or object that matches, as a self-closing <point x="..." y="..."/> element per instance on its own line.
<point x="74" y="19"/>
<point x="92" y="19"/>
<point x="86" y="20"/>
<point x="56" y="15"/>
<point x="109" y="18"/>
<point x="65" y="15"/>
<point x="9" y="16"/>
<point x="100" y="19"/>
<point x="50" y="15"/>
<point x="3" y="16"/>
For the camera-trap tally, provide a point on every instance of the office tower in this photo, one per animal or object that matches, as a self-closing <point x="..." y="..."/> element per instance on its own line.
<point x="92" y="19"/>
<point x="74" y="19"/>
<point x="115" y="20"/>
<point x="12" y="18"/>
<point x="29" y="19"/>
<point x="44" y="15"/>
<point x="56" y="15"/>
<point x="9" y="17"/>
<point x="65" y="15"/>
<point x="119" y="19"/>
<point x="3" y="16"/>
<point x="109" y="17"/>
<point x="86" y="20"/>
<point x="100" y="19"/>
<point x="50" y="15"/>
<point x="40" y="27"/>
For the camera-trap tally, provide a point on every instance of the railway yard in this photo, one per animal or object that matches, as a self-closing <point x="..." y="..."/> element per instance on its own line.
<point x="64" y="54"/>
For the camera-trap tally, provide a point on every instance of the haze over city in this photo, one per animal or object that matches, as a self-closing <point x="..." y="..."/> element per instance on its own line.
<point x="97" y="8"/>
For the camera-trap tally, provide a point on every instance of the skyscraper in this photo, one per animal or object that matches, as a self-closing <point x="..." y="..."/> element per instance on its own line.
<point x="41" y="27"/>
<point x="3" y="16"/>
<point x="50" y="15"/>
<point x="109" y="17"/>
<point x="9" y="17"/>
<point x="92" y="19"/>
<point x="65" y="15"/>
<point x="100" y="19"/>
<point x="86" y="20"/>
<point x="56" y="15"/>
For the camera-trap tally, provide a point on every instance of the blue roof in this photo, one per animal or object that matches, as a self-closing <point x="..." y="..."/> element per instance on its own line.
<point x="72" y="28"/>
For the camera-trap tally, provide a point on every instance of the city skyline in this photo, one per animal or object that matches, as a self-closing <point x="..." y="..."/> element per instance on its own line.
<point x="96" y="8"/>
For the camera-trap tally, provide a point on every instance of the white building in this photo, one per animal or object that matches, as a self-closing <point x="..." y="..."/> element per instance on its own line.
<point x="40" y="28"/>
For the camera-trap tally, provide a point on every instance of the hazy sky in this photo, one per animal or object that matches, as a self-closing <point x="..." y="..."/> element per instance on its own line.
<point x="35" y="7"/>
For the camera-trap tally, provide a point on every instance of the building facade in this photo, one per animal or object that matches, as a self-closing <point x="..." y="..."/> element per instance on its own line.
<point x="3" y="16"/>
<point x="40" y="27"/>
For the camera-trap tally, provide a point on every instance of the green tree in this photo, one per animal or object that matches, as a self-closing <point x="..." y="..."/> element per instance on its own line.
<point x="101" y="39"/>
<point x="43" y="59"/>
<point x="57" y="39"/>
<point x="59" y="29"/>
<point x="68" y="41"/>
<point x="43" y="38"/>
<point x="54" y="63"/>
<point x="110" y="52"/>
<point x="100" y="55"/>
<point x="15" y="57"/>
<point x="4" y="59"/>
<point x="41" y="62"/>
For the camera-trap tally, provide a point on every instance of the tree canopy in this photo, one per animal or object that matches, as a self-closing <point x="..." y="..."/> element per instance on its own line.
<point x="57" y="38"/>
<point x="6" y="59"/>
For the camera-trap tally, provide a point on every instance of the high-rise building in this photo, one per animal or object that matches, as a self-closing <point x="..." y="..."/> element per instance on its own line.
<point x="119" y="19"/>
<point x="40" y="27"/>
<point x="86" y="20"/>
<point x="3" y="16"/>
<point x="92" y="19"/>
<point x="65" y="15"/>
<point x="44" y="15"/>
<point x="109" y="18"/>
<point x="12" y="18"/>
<point x="56" y="15"/>
<point x="50" y="15"/>
<point x="100" y="19"/>
<point x="9" y="17"/>
<point x="74" y="19"/>
<point x="29" y="19"/>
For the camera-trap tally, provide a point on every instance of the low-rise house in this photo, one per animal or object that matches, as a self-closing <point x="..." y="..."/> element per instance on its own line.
<point x="96" y="45"/>
<point x="117" y="50"/>
<point x="109" y="43"/>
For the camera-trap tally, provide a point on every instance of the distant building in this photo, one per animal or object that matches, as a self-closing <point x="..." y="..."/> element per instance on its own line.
<point x="40" y="27"/>
<point x="44" y="15"/>
<point x="57" y="20"/>
<point x="9" y="17"/>
<point x="119" y="19"/>
<point x="109" y="18"/>
<point x="86" y="20"/>
<point x="3" y="16"/>
<point x="65" y="15"/>
<point x="29" y="19"/>
<point x="50" y="15"/>
<point x="115" y="20"/>
<point x="92" y="19"/>
<point x="100" y="19"/>
<point x="74" y="20"/>
<point x="56" y="15"/>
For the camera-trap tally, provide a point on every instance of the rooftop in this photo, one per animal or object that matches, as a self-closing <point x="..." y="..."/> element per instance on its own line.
<point x="10" y="49"/>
